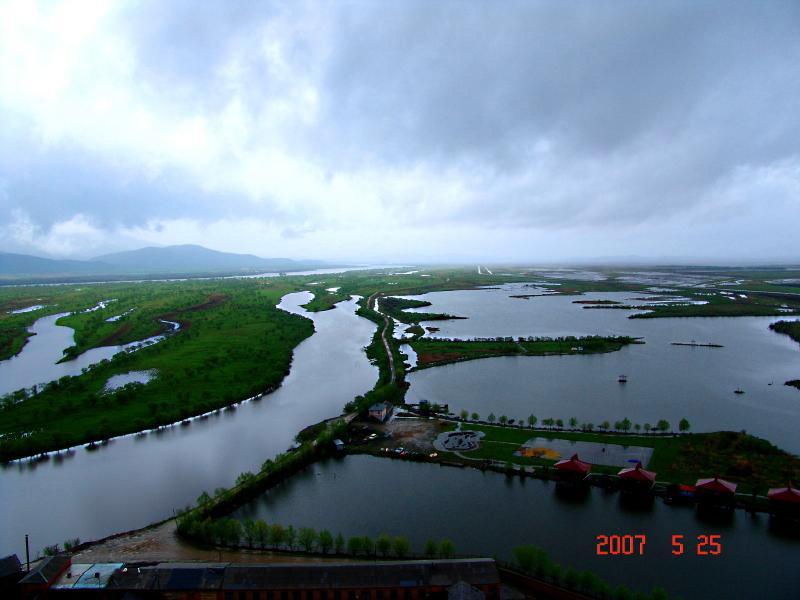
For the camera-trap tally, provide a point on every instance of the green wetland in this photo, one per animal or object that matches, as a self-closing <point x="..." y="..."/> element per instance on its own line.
<point x="233" y="343"/>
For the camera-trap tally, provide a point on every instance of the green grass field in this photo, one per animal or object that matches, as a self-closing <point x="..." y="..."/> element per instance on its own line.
<point x="234" y="344"/>
<point x="750" y="461"/>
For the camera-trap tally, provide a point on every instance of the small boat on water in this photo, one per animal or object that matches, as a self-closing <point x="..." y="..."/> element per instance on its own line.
<point x="738" y="391"/>
<point x="623" y="379"/>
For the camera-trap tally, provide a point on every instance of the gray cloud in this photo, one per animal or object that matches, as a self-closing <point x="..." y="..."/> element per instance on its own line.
<point x="303" y="118"/>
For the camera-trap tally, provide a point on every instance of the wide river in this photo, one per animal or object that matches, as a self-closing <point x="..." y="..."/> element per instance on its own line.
<point x="489" y="514"/>
<point x="137" y="480"/>
<point x="664" y="381"/>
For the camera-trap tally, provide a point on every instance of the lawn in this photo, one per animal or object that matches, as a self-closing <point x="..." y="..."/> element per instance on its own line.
<point x="747" y="460"/>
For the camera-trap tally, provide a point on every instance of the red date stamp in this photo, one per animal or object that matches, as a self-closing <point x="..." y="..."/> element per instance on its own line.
<point x="706" y="544"/>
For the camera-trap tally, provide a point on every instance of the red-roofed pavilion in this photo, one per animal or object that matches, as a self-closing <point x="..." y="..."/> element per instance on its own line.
<point x="715" y="485"/>
<point x="784" y="501"/>
<point x="715" y="491"/>
<point x="574" y="465"/>
<point x="572" y="469"/>
<point x="636" y="478"/>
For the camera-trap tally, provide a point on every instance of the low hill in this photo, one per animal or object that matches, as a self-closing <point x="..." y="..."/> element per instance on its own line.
<point x="155" y="261"/>
<point x="192" y="258"/>
<point x="24" y="264"/>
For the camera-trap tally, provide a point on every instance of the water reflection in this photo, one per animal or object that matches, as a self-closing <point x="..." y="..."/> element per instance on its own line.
<point x="664" y="381"/>
<point x="137" y="480"/>
<point x="489" y="513"/>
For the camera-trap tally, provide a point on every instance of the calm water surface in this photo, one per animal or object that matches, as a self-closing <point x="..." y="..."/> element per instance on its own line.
<point x="137" y="480"/>
<point x="489" y="514"/>
<point x="664" y="381"/>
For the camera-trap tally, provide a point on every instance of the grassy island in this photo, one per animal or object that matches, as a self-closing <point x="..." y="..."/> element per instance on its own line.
<point x="432" y="352"/>
<point x="396" y="308"/>
<point x="234" y="343"/>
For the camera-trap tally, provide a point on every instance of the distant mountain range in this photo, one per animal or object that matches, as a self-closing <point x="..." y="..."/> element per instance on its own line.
<point x="167" y="260"/>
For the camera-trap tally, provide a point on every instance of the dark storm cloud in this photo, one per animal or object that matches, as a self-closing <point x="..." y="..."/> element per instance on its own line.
<point x="691" y="90"/>
<point x="498" y="115"/>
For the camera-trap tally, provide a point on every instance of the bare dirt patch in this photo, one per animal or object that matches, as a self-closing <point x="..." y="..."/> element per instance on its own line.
<point x="161" y="543"/>
<point x="412" y="434"/>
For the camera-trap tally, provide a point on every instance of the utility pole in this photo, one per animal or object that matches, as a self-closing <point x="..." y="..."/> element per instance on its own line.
<point x="27" y="554"/>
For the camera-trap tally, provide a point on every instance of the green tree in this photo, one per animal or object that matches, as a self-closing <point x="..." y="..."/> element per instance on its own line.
<point x="277" y="535"/>
<point x="492" y="418"/>
<point x="464" y="414"/>
<point x="431" y="548"/>
<point x="384" y="544"/>
<point x="325" y="541"/>
<point x="573" y="422"/>
<point x="245" y="478"/>
<point x="622" y="592"/>
<point x="401" y="546"/>
<point x="447" y="549"/>
<point x="663" y="425"/>
<point x="647" y="427"/>
<point x="250" y="533"/>
<point x="555" y="572"/>
<point x="658" y="594"/>
<point x="605" y="425"/>
<point x="503" y="419"/>
<point x="589" y="582"/>
<point x="684" y="425"/>
<point x="233" y="531"/>
<point x="354" y="545"/>
<point x="290" y="537"/>
<point x="203" y="499"/>
<point x="476" y="416"/>
<point x="338" y="543"/>
<point x="307" y="538"/>
<point x="367" y="545"/>
<point x="559" y="423"/>
<point x="637" y="427"/>
<point x="532" y="420"/>
<point x="570" y="578"/>
<point x="626" y="425"/>
<point x="262" y="532"/>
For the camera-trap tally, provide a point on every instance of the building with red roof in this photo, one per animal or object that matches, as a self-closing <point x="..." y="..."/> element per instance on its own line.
<point x="715" y="491"/>
<point x="784" y="501"/>
<point x="574" y="465"/>
<point x="572" y="470"/>
<point x="636" y="478"/>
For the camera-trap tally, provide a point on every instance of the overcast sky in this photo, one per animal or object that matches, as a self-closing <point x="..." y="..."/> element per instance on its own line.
<point x="402" y="131"/>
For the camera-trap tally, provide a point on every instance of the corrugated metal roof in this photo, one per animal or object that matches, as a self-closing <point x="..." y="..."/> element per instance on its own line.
<point x="360" y="575"/>
<point x="47" y="570"/>
<point x="288" y="576"/>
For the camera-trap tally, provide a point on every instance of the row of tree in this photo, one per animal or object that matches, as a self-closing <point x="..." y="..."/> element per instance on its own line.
<point x="535" y="561"/>
<point x="258" y="534"/>
<point x="625" y="425"/>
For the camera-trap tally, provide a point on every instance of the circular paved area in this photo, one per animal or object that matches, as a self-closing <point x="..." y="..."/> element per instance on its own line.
<point x="458" y="441"/>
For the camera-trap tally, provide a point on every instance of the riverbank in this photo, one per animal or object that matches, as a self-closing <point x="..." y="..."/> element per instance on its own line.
<point x="229" y="351"/>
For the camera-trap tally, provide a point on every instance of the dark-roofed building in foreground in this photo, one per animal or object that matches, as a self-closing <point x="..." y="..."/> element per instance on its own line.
<point x="374" y="580"/>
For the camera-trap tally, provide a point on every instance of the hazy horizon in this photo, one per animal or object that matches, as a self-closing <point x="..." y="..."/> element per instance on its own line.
<point x="529" y="132"/>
